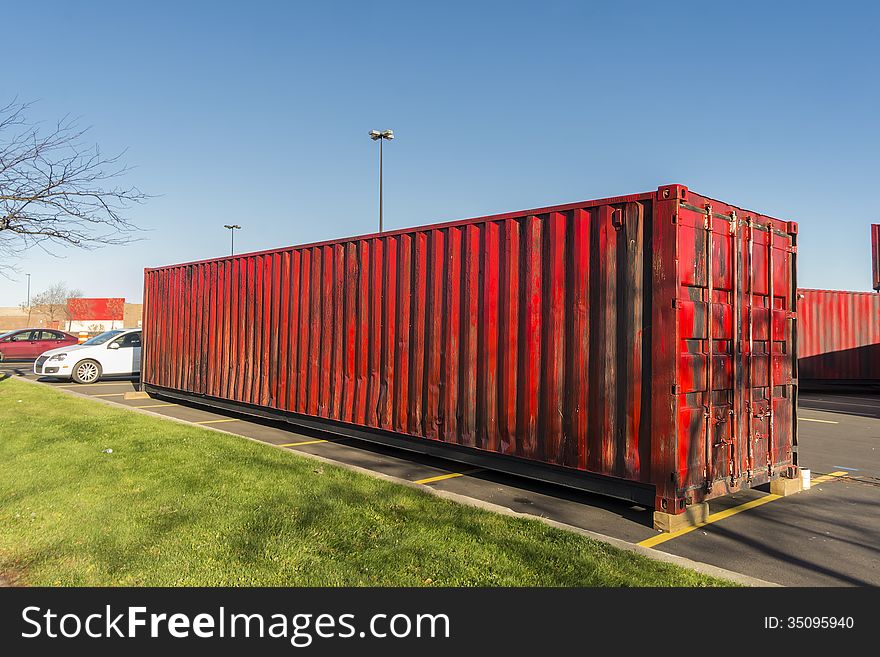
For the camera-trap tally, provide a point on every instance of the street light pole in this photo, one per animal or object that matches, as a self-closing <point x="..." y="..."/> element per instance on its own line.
<point x="381" y="141"/>
<point x="232" y="228"/>
<point x="29" y="298"/>
<point x="380" y="136"/>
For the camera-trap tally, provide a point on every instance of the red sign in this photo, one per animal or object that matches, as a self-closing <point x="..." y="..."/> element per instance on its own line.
<point x="103" y="308"/>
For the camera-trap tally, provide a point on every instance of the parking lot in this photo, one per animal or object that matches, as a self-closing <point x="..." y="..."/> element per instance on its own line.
<point x="827" y="536"/>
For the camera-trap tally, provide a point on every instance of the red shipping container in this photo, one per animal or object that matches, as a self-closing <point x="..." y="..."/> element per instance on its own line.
<point x="875" y="254"/>
<point x="838" y="337"/>
<point x="640" y="346"/>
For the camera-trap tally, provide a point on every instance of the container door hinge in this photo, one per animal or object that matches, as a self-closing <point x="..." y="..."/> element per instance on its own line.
<point x="707" y="220"/>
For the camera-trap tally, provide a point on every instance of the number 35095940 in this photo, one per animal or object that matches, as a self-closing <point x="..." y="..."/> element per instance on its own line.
<point x="809" y="622"/>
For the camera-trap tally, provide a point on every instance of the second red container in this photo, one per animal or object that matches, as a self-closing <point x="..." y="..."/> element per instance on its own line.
<point x="838" y="338"/>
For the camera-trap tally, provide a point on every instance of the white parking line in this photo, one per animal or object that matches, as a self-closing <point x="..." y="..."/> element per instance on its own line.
<point x="843" y="403"/>
<point x="876" y="400"/>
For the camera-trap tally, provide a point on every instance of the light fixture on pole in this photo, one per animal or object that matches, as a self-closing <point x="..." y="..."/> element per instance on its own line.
<point x="29" y="298"/>
<point x="380" y="136"/>
<point x="232" y="228"/>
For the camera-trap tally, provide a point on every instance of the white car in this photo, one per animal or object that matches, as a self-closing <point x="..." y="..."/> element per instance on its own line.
<point x="111" y="353"/>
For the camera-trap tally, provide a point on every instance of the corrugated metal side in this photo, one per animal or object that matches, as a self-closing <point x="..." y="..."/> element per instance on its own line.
<point x="875" y="255"/>
<point x="839" y="336"/>
<point x="522" y="335"/>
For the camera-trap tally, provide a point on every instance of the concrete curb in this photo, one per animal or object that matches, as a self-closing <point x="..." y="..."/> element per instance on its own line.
<point x="656" y="555"/>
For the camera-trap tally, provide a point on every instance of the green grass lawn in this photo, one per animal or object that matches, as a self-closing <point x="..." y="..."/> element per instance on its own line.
<point x="178" y="505"/>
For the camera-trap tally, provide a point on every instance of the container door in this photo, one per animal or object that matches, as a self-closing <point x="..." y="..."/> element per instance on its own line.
<point x="735" y="353"/>
<point x="769" y="347"/>
<point x="708" y="331"/>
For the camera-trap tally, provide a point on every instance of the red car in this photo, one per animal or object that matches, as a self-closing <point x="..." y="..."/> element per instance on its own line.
<point x="27" y="344"/>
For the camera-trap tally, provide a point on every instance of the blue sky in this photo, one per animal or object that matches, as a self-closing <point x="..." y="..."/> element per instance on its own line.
<point x="257" y="113"/>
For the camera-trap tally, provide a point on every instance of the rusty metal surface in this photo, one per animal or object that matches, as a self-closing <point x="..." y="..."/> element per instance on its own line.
<point x="839" y="336"/>
<point x="576" y="336"/>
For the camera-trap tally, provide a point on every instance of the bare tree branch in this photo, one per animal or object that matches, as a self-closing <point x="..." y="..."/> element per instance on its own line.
<point x="56" y="190"/>
<point x="54" y="303"/>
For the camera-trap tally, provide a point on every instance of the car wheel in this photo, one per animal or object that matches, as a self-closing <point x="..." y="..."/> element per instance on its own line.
<point x="86" y="371"/>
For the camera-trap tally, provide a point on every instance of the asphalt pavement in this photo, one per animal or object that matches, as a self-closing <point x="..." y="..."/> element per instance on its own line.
<point x="826" y="536"/>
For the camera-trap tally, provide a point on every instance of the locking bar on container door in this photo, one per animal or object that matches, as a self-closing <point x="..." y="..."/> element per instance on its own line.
<point x="735" y="351"/>
<point x="708" y="405"/>
<point x="792" y="338"/>
<point x="770" y="413"/>
<point x="750" y="410"/>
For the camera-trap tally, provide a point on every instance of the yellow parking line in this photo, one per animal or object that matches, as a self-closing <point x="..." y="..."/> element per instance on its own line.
<point x="821" y="479"/>
<point x="721" y="515"/>
<point x="304" y="442"/>
<point x="110" y="394"/>
<point x="811" y="419"/>
<point x="154" y="405"/>
<point x="715" y="517"/>
<point x="228" y="419"/>
<point x="451" y="475"/>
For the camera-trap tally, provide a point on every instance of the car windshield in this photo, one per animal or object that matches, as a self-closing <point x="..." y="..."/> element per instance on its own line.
<point x="102" y="338"/>
<point x="7" y="334"/>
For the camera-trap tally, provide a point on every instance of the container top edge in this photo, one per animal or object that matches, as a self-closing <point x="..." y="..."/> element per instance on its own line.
<point x="643" y="196"/>
<point x="830" y="291"/>
<point x="423" y="227"/>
